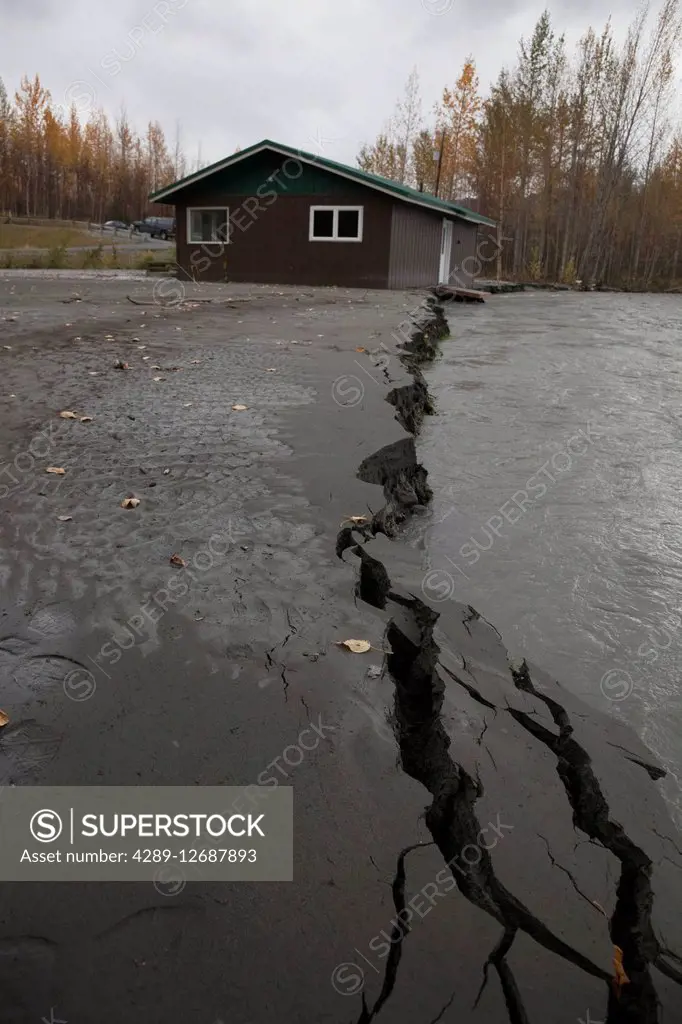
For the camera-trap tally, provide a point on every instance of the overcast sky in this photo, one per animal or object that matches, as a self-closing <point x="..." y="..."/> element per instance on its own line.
<point x="322" y="75"/>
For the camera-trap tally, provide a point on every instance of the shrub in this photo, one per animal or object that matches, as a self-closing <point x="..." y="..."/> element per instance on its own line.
<point x="535" y="265"/>
<point x="57" y="256"/>
<point x="570" y="275"/>
<point x="93" y="258"/>
<point x="112" y="261"/>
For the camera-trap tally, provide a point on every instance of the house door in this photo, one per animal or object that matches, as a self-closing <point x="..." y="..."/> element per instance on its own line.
<point x="445" y="251"/>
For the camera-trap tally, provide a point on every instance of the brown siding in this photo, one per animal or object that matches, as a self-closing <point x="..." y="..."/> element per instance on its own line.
<point x="463" y="263"/>
<point x="270" y="244"/>
<point x="415" y="247"/>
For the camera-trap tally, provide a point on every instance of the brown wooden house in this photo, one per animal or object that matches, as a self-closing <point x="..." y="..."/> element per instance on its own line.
<point x="273" y="214"/>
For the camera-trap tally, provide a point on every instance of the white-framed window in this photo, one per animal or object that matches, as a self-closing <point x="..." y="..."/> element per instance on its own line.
<point x="336" y="223"/>
<point x="208" y="225"/>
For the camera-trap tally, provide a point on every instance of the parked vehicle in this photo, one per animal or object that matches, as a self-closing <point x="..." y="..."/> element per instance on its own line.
<point x="156" y="227"/>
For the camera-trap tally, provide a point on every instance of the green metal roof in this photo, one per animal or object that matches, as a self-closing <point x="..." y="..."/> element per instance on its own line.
<point x="404" y="192"/>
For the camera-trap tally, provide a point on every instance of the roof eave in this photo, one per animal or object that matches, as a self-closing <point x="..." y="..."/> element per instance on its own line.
<point x="439" y="206"/>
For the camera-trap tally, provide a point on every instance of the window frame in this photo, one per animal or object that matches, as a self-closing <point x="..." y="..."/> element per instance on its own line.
<point x="192" y="209"/>
<point x="360" y="210"/>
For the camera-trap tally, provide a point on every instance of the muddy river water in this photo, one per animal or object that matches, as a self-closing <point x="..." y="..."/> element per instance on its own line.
<point x="556" y="462"/>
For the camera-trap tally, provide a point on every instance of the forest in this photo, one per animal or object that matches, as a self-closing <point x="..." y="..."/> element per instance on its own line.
<point x="53" y="166"/>
<point x="577" y="157"/>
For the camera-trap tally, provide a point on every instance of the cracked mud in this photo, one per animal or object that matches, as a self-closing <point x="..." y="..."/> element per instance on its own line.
<point x="527" y="829"/>
<point x="429" y="754"/>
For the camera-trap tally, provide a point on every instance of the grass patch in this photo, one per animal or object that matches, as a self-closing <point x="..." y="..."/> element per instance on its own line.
<point x="30" y="236"/>
<point x="95" y="258"/>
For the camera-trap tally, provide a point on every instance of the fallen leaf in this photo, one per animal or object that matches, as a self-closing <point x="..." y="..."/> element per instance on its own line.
<point x="7" y="346"/>
<point x="240" y="408"/>
<point x="360" y="348"/>
<point x="620" y="977"/>
<point x="196" y="362"/>
<point x="145" y="358"/>
<point x="4" y="718"/>
<point x="154" y="367"/>
<point x="86" y="419"/>
<point x="130" y="502"/>
<point x="64" y="519"/>
<point x="166" y="472"/>
<point x="157" y="379"/>
<point x="355" y="519"/>
<point x="186" y="405"/>
<point x="356" y="646"/>
<point x="68" y="415"/>
<point x="57" y="470"/>
<point x="93" y="373"/>
<point x="120" y="365"/>
<point x="271" y="369"/>
<point x="177" y="560"/>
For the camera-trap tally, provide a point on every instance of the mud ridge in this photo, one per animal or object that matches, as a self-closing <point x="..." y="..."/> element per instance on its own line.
<point x="395" y="467"/>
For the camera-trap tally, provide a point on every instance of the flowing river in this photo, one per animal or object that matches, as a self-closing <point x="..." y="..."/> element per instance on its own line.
<point x="556" y="462"/>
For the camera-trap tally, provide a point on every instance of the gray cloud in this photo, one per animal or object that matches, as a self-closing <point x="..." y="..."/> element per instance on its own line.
<point x="233" y="73"/>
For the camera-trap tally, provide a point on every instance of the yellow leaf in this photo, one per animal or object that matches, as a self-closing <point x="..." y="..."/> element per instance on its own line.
<point x="240" y="408"/>
<point x="86" y="419"/>
<point x="4" y="718"/>
<point x="64" y="519"/>
<point x="57" y="470"/>
<point x="68" y="415"/>
<point x="130" y="502"/>
<point x="620" y="977"/>
<point x="178" y="561"/>
<point x="356" y="646"/>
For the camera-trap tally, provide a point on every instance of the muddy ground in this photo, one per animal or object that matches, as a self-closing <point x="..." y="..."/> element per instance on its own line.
<point x="216" y="689"/>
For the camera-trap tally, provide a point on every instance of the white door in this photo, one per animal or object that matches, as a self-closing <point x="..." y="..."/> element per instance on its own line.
<point x="445" y="251"/>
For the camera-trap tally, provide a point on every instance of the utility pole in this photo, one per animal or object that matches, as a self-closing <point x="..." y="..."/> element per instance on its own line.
<point x="440" y="161"/>
<point x="501" y="216"/>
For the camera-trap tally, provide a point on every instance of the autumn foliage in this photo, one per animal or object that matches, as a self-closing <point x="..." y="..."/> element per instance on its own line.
<point x="54" y="166"/>
<point x="577" y="156"/>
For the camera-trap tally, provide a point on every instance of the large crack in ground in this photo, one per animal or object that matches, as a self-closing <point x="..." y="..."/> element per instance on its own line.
<point x="426" y="755"/>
